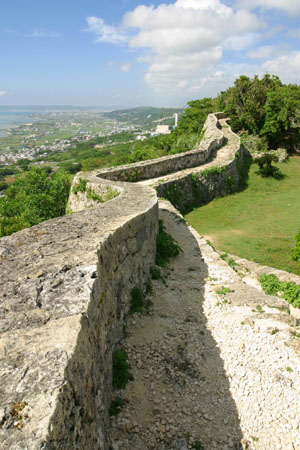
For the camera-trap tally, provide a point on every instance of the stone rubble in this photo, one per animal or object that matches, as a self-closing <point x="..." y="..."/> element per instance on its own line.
<point x="222" y="370"/>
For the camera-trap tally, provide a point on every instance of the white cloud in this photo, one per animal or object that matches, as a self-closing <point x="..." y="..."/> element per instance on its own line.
<point x="287" y="67"/>
<point x="185" y="40"/>
<point x="2" y="93"/>
<point x="183" y="43"/>
<point x="125" y="67"/>
<point x="103" y="32"/>
<point x="290" y="6"/>
<point x="267" y="51"/>
<point x="41" y="33"/>
<point x="239" y="43"/>
<point x="294" y="33"/>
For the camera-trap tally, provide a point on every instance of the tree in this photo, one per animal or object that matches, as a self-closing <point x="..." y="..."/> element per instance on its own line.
<point x="194" y="116"/>
<point x="32" y="198"/>
<point x="244" y="102"/>
<point x="282" y="121"/>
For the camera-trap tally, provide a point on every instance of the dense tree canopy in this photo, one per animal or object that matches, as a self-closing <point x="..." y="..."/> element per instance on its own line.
<point x="264" y="107"/>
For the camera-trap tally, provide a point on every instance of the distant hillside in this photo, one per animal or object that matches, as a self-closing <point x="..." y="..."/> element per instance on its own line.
<point x="146" y="117"/>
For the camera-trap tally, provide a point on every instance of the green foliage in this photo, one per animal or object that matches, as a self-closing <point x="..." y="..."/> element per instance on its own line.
<point x="3" y="185"/>
<point x="139" y="303"/>
<point x="230" y="261"/>
<point x="264" y="161"/>
<point x="194" y="116"/>
<point x="270" y="284"/>
<point x="282" y="121"/>
<point x="212" y="171"/>
<point x="230" y="182"/>
<point x="197" y="445"/>
<point x="295" y="253"/>
<point x="166" y="246"/>
<point x="80" y="186"/>
<point x="91" y="164"/>
<point x="121" y="369"/>
<point x="264" y="107"/>
<point x="245" y="102"/>
<point x="224" y="290"/>
<point x="290" y="290"/>
<point x="32" y="198"/>
<point x="116" y="406"/>
<point x="137" y="300"/>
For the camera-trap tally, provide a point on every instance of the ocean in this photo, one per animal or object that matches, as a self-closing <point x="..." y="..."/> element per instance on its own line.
<point x="12" y="118"/>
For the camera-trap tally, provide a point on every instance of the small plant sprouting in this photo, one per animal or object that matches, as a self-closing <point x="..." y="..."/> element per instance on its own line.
<point x="116" y="406"/>
<point x="224" y="290"/>
<point x="166" y="246"/>
<point x="80" y="186"/>
<point x="149" y="287"/>
<point x="138" y="302"/>
<point x="230" y="261"/>
<point x="295" y="334"/>
<point x="289" y="369"/>
<point x="275" y="331"/>
<point x="258" y="309"/>
<point x="210" y="244"/>
<point x="197" y="445"/>
<point x="121" y="373"/>
<point x="288" y="289"/>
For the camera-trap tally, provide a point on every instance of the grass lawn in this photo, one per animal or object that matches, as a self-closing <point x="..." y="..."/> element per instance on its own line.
<point x="258" y="223"/>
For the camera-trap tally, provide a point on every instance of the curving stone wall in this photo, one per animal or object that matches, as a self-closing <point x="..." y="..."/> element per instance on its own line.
<point x="200" y="187"/>
<point x="213" y="138"/>
<point x="66" y="290"/>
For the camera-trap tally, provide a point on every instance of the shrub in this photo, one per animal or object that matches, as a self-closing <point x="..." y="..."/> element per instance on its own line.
<point x="291" y="291"/>
<point x="80" y="186"/>
<point x="166" y="246"/>
<point x="116" y="406"/>
<point x="136" y="300"/>
<point x="121" y="373"/>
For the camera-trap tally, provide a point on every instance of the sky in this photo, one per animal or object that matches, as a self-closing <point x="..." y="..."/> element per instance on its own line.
<point x="125" y="53"/>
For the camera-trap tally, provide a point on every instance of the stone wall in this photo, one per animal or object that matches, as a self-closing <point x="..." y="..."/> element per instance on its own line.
<point x="213" y="138"/>
<point x="202" y="186"/>
<point x="66" y="290"/>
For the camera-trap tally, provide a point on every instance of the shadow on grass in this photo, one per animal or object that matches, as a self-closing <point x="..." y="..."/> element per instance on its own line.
<point x="244" y="174"/>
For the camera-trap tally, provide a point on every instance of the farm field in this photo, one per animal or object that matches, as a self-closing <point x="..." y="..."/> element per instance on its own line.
<point x="258" y="223"/>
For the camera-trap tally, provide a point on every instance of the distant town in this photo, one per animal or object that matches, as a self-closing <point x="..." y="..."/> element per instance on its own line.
<point x="59" y="131"/>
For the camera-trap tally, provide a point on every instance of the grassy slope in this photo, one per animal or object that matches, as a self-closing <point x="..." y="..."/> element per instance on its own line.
<point x="258" y="223"/>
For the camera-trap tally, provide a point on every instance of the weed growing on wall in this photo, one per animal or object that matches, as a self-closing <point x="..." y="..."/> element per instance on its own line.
<point x="289" y="290"/>
<point x="116" y="406"/>
<point x="139" y="302"/>
<point x="80" y="186"/>
<point x="166" y="246"/>
<point x="121" y="369"/>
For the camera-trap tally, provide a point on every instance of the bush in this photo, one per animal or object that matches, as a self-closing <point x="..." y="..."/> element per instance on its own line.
<point x="121" y="373"/>
<point x="272" y="286"/>
<point x="166" y="246"/>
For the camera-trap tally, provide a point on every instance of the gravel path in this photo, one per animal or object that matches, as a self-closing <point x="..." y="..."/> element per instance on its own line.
<point x="210" y="371"/>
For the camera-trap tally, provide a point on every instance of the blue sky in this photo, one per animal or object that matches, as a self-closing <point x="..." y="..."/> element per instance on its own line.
<point x="129" y="53"/>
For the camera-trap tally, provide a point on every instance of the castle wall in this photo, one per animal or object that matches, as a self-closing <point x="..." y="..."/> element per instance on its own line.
<point x="65" y="294"/>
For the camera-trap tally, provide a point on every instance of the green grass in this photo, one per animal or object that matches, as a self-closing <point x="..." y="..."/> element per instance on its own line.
<point x="258" y="223"/>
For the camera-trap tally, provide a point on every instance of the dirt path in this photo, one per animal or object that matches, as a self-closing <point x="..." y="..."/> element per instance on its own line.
<point x="209" y="371"/>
